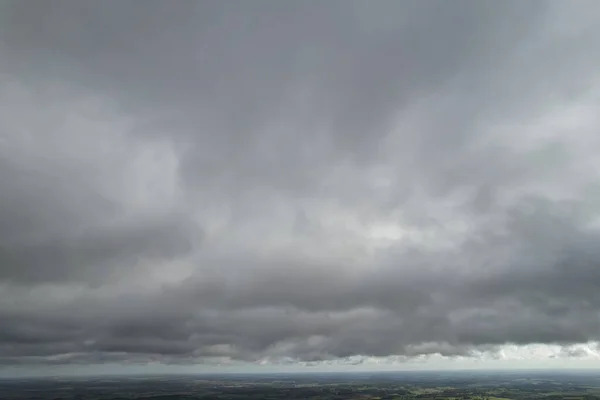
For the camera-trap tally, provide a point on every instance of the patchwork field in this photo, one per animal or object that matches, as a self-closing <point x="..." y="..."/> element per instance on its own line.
<point x="380" y="386"/>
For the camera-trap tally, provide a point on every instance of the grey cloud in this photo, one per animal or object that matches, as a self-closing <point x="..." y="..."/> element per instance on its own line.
<point x="227" y="83"/>
<point x="217" y="181"/>
<point x="105" y="250"/>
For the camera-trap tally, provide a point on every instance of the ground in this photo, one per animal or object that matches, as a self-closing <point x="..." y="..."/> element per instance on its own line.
<point x="382" y="386"/>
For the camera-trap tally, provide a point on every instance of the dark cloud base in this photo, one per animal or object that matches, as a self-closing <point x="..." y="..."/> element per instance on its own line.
<point x="296" y="183"/>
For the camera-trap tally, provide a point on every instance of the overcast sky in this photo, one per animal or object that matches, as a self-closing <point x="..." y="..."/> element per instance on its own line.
<point x="224" y="184"/>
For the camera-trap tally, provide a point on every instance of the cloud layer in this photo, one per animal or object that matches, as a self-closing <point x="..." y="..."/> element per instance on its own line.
<point x="216" y="182"/>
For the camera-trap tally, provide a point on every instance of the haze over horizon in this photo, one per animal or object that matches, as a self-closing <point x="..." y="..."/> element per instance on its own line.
<point x="264" y="185"/>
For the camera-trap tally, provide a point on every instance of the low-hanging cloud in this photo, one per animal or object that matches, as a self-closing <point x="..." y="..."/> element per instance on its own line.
<point x="207" y="182"/>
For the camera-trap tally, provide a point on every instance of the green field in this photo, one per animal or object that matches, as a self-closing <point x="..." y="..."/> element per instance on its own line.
<point x="360" y="386"/>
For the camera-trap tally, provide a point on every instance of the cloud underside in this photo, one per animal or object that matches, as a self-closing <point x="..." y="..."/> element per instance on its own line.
<point x="281" y="182"/>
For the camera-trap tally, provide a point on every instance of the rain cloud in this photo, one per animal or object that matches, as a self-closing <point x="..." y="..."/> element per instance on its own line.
<point x="297" y="182"/>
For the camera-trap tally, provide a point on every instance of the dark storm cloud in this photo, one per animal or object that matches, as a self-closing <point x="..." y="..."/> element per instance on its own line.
<point x="231" y="78"/>
<point x="210" y="181"/>
<point x="70" y="258"/>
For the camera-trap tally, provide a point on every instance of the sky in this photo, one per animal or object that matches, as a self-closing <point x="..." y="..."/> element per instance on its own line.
<point x="312" y="185"/>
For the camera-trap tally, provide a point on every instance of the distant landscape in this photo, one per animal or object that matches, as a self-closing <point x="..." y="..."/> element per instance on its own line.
<point x="338" y="386"/>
